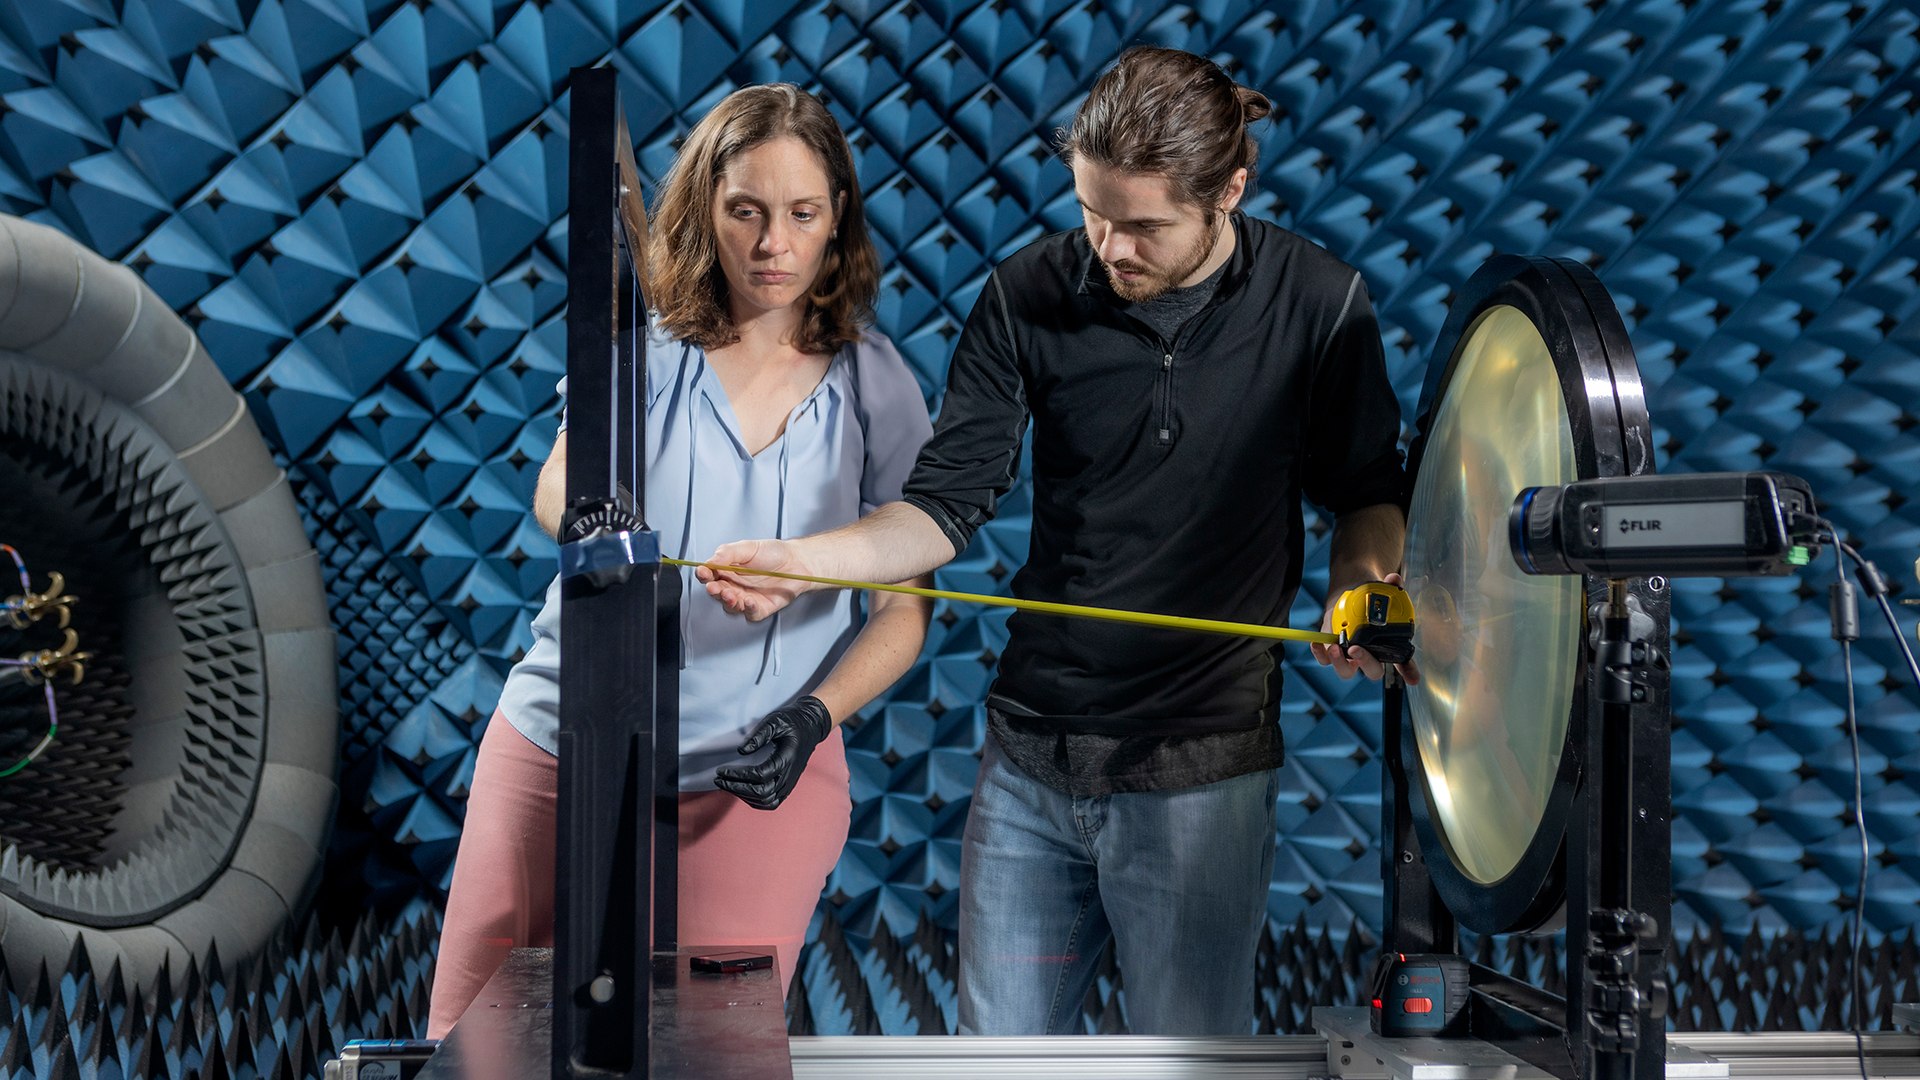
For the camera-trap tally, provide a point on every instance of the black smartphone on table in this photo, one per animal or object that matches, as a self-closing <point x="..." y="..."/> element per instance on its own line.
<point x="730" y="963"/>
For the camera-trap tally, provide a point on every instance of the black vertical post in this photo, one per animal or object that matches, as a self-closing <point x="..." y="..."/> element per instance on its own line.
<point x="1587" y="865"/>
<point x="1649" y="827"/>
<point x="604" y="854"/>
<point x="1622" y="860"/>
<point x="666" y="769"/>
<point x="1613" y="768"/>
<point x="1415" y="919"/>
<point x="665" y="731"/>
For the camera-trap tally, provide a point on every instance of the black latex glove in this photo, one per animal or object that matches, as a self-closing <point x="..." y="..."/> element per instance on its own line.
<point x="794" y="731"/>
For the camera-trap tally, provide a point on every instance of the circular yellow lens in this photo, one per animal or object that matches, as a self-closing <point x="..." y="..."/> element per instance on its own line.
<point x="1497" y="648"/>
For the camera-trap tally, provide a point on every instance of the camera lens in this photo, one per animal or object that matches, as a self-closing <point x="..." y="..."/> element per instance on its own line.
<point x="1532" y="528"/>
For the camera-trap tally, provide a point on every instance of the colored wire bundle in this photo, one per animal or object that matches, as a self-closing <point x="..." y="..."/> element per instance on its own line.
<point x="22" y="611"/>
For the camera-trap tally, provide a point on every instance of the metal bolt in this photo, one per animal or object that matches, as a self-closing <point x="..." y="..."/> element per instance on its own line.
<point x="1406" y="856"/>
<point x="1656" y="584"/>
<point x="601" y="989"/>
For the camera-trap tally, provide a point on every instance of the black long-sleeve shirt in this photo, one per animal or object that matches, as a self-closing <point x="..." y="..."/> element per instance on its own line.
<point x="1167" y="476"/>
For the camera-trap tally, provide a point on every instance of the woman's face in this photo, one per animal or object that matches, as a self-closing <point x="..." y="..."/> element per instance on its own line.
<point x="773" y="217"/>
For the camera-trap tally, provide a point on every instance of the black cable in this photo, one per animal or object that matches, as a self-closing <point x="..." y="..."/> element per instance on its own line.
<point x="1845" y="630"/>
<point x="1872" y="580"/>
<point x="1906" y="650"/>
<point x="1860" y="892"/>
<point x="1844" y="612"/>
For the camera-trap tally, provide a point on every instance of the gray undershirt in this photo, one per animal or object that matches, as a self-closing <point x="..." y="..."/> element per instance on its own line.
<point x="1087" y="766"/>
<point x="1169" y="311"/>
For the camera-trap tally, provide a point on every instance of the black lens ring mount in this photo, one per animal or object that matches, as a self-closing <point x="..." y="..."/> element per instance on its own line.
<point x="1606" y="409"/>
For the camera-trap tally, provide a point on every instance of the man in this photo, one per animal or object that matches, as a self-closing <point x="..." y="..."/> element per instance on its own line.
<point x="1189" y="372"/>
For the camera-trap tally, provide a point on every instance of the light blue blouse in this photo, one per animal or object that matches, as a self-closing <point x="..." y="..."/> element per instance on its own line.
<point x="846" y="450"/>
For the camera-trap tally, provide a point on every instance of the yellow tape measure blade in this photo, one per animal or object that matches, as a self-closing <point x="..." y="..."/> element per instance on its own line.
<point x="1078" y="611"/>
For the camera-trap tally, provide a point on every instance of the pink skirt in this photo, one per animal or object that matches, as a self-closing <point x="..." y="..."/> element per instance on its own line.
<point x="502" y="893"/>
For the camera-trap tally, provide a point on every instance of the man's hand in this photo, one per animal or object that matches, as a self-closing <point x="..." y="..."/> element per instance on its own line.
<point x="1346" y="661"/>
<point x="794" y="731"/>
<point x="751" y="595"/>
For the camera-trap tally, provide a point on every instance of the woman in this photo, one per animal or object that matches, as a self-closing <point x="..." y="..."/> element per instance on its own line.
<point x="769" y="407"/>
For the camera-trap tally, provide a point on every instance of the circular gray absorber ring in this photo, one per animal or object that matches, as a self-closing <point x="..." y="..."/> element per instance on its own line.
<point x="96" y="365"/>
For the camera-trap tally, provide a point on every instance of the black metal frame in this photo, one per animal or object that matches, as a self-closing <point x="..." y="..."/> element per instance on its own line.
<point x="616" y="844"/>
<point x="1603" y="845"/>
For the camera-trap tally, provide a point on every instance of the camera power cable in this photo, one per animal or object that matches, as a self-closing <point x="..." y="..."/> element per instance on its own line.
<point x="1845" y="613"/>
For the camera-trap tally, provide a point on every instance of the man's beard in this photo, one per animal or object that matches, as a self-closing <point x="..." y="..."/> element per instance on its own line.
<point x="1153" y="283"/>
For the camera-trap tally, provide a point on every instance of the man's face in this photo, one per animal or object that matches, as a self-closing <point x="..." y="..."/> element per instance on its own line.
<point x="1148" y="240"/>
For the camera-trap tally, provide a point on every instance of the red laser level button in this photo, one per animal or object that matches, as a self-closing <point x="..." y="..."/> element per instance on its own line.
<point x="1419" y="1005"/>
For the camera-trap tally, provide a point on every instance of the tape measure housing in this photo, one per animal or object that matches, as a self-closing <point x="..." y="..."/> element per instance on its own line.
<point x="1378" y="617"/>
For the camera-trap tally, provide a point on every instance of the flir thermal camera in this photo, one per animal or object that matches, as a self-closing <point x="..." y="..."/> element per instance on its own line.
<point x="1683" y="525"/>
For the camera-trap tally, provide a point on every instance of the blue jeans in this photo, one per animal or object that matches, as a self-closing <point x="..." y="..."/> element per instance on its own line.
<point x="1176" y="879"/>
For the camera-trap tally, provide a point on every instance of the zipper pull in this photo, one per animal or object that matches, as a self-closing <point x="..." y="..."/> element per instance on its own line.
<point x="1166" y="364"/>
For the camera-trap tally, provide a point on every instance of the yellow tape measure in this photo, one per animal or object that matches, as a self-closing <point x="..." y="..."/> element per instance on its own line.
<point x="1176" y="622"/>
<point x="1378" y="617"/>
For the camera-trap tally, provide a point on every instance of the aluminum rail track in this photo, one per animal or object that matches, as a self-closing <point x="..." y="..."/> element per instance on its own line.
<point x="1803" y="1055"/>
<point x="1812" y="1055"/>
<point x="1083" y="1057"/>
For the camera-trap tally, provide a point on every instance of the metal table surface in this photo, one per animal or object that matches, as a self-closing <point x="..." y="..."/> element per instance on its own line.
<point x="1806" y="1055"/>
<point x="704" y="1026"/>
<point x="1810" y="1055"/>
<point x="735" y="1026"/>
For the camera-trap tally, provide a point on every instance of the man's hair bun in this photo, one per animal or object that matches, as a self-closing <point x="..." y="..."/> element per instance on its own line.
<point x="1164" y="112"/>
<point x="1253" y="104"/>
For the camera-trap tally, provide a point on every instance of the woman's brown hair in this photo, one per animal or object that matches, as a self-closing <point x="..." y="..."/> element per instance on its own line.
<point x="1163" y="112"/>
<point x="689" y="287"/>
